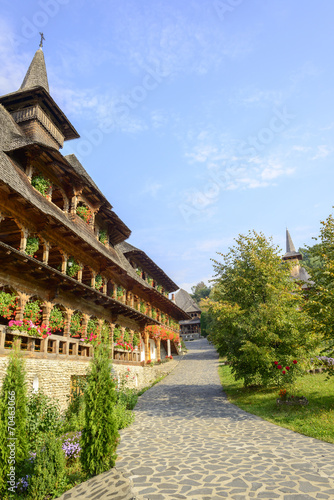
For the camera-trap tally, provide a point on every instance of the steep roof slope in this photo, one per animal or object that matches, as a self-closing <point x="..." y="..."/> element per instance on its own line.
<point x="185" y="302"/>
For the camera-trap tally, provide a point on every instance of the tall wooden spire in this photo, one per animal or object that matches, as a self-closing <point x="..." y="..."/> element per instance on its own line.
<point x="36" y="75"/>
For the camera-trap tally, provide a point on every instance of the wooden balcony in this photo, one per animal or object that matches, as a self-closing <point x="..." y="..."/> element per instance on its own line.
<point x="52" y="347"/>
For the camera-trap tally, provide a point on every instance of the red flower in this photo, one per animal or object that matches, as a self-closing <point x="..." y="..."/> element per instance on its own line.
<point x="279" y="367"/>
<point x="284" y="372"/>
<point x="287" y="367"/>
<point x="294" y="361"/>
<point x="276" y="362"/>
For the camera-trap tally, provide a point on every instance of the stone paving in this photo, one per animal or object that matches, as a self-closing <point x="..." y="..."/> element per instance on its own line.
<point x="189" y="442"/>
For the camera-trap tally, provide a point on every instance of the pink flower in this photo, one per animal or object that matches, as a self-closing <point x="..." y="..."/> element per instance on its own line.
<point x="279" y="367"/>
<point x="276" y="362"/>
<point x="287" y="367"/>
<point x="294" y="361"/>
<point x="284" y="372"/>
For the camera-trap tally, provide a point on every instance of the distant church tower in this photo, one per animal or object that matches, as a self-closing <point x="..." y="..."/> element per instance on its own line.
<point x="298" y="272"/>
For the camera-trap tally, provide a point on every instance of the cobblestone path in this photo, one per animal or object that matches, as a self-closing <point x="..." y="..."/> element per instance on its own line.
<point x="189" y="442"/>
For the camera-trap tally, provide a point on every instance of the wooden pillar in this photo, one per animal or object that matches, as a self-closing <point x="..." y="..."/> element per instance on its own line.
<point x="24" y="237"/>
<point x="46" y="252"/>
<point x="2" y="337"/>
<point x="92" y="280"/>
<point x="147" y="347"/>
<point x="158" y="344"/>
<point x="23" y="299"/>
<point x="64" y="262"/>
<point x="169" y="352"/>
<point x="47" y="306"/>
<point x="74" y="202"/>
<point x="68" y="316"/>
<point x="105" y="282"/>
<point x="79" y="276"/>
<point x="112" y="327"/>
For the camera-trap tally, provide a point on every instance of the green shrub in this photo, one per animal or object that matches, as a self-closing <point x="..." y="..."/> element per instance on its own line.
<point x="49" y="476"/>
<point x="43" y="417"/>
<point x="100" y="434"/>
<point x="75" y="413"/>
<point x="123" y="416"/>
<point x="13" y="418"/>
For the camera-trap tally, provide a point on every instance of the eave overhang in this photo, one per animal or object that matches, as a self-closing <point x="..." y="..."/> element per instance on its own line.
<point x="17" y="262"/>
<point x="38" y="95"/>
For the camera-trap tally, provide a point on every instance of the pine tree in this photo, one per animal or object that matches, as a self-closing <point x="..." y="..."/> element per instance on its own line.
<point x="13" y="417"/>
<point x="100" y="434"/>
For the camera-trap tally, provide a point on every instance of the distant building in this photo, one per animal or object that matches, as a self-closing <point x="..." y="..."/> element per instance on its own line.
<point x="298" y="272"/>
<point x="189" y="329"/>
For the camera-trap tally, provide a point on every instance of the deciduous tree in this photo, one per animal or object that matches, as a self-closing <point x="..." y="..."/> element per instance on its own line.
<point x="258" y="310"/>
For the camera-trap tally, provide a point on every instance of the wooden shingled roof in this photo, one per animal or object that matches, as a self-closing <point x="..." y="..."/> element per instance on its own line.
<point x="185" y="302"/>
<point x="35" y="90"/>
<point x="142" y="259"/>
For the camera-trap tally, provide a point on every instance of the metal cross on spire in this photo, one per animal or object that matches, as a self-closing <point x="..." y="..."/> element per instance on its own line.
<point x="42" y="38"/>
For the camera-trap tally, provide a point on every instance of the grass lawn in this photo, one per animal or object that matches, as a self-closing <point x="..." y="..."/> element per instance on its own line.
<point x="315" y="420"/>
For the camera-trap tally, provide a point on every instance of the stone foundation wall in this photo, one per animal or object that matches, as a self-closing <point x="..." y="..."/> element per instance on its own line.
<point x="53" y="377"/>
<point x="138" y="377"/>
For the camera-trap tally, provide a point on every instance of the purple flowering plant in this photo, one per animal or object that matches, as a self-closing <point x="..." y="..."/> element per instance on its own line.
<point x="71" y="445"/>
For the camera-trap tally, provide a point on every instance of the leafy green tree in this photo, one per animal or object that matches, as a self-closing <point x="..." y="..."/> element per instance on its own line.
<point x="13" y="417"/>
<point x="100" y="434"/>
<point x="320" y="303"/>
<point x="258" y="311"/>
<point x="312" y="257"/>
<point x="200" y="291"/>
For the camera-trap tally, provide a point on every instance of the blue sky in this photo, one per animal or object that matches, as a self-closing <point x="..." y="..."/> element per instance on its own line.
<point x="199" y="119"/>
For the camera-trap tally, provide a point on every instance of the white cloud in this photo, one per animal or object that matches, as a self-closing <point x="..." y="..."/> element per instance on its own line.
<point x="322" y="152"/>
<point x="301" y="149"/>
<point x="13" y="66"/>
<point x="152" y="188"/>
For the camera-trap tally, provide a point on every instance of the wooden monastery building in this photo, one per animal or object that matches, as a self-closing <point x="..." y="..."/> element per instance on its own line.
<point x="67" y="274"/>
<point x="190" y="329"/>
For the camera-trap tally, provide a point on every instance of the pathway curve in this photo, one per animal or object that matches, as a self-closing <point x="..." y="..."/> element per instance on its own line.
<point x="189" y="442"/>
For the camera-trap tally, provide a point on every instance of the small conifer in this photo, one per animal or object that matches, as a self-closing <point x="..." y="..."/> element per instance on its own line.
<point x="100" y="434"/>
<point x="13" y="419"/>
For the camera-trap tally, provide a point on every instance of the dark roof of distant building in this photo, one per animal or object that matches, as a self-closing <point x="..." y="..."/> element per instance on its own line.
<point x="192" y="321"/>
<point x="185" y="302"/>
